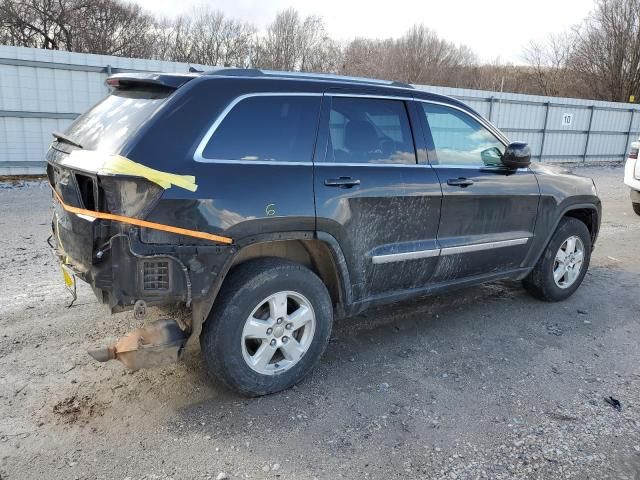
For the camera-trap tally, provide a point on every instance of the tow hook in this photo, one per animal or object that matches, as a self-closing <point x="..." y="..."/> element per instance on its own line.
<point x="156" y="344"/>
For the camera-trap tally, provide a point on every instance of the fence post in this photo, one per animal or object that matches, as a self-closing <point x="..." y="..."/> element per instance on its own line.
<point x="491" y="108"/>
<point x="626" y="147"/>
<point x="586" y="143"/>
<point x="544" y="131"/>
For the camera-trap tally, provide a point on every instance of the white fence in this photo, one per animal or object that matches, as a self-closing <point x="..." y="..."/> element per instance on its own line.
<point x="44" y="90"/>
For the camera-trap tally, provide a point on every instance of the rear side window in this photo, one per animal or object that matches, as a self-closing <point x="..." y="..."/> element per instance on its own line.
<point x="369" y="130"/>
<point x="112" y="121"/>
<point x="267" y="129"/>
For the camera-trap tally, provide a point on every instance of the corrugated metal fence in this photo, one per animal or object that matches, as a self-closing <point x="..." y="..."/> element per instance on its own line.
<point x="43" y="90"/>
<point x="557" y="129"/>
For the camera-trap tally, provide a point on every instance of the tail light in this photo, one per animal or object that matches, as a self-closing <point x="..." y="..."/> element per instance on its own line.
<point x="87" y="188"/>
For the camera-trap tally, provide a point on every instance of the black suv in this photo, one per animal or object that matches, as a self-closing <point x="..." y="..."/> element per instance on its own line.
<point x="252" y="207"/>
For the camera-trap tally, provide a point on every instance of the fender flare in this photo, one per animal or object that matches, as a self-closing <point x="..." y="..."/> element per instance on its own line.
<point x="563" y="212"/>
<point x="202" y="307"/>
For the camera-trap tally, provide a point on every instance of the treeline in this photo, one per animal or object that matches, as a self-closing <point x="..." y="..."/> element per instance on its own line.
<point x="599" y="58"/>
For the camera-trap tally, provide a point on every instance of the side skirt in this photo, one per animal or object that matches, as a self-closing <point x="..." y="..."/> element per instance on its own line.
<point x="434" y="289"/>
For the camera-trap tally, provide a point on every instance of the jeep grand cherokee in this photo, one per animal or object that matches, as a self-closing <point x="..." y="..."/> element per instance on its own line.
<point x="256" y="206"/>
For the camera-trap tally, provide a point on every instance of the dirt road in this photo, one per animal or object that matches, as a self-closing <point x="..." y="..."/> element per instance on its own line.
<point x="483" y="383"/>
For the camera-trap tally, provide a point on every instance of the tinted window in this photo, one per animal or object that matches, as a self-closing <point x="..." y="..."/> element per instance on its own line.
<point x="108" y="124"/>
<point x="461" y="140"/>
<point x="267" y="128"/>
<point x="364" y="130"/>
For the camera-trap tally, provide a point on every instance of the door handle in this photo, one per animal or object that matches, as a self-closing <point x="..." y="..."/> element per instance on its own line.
<point x="342" y="182"/>
<point x="460" y="182"/>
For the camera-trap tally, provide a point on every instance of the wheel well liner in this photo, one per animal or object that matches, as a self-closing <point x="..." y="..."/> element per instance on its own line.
<point x="322" y="255"/>
<point x="313" y="254"/>
<point x="588" y="216"/>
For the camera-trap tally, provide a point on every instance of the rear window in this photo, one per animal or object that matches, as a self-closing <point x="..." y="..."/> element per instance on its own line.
<point x="112" y="121"/>
<point x="267" y="129"/>
<point x="370" y="130"/>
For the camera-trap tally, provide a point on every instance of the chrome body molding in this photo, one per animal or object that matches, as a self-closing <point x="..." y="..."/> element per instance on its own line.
<point x="400" y="257"/>
<point x="475" y="247"/>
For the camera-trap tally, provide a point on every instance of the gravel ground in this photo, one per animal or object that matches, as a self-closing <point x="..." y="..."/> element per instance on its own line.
<point x="483" y="383"/>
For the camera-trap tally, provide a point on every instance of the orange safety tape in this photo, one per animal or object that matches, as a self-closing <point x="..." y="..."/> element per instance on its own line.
<point x="143" y="223"/>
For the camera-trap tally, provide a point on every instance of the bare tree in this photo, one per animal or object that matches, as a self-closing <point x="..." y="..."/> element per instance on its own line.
<point x="96" y="26"/>
<point x="366" y="57"/>
<point x="110" y="27"/>
<point x="607" y="50"/>
<point x="598" y="59"/>
<point x="549" y="61"/>
<point x="294" y="44"/>
<point x="420" y="56"/>
<point x="208" y="37"/>
<point x="39" y="23"/>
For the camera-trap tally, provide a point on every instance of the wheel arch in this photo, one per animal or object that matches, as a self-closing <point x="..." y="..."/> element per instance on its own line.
<point x="588" y="213"/>
<point x="588" y="216"/>
<point x="320" y="252"/>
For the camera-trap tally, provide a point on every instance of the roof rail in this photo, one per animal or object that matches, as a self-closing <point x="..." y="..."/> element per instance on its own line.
<point x="236" y="72"/>
<point x="254" y="72"/>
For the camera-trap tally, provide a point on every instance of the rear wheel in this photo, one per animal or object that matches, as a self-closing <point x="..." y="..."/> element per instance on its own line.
<point x="269" y="327"/>
<point x="563" y="265"/>
<point x="636" y="207"/>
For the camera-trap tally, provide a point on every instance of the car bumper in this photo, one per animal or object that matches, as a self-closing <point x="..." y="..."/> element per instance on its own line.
<point x="632" y="174"/>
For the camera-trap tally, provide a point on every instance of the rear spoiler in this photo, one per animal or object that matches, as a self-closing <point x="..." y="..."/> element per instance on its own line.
<point x="171" y="81"/>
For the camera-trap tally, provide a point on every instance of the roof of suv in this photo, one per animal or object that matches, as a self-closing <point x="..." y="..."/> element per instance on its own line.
<point x="175" y="80"/>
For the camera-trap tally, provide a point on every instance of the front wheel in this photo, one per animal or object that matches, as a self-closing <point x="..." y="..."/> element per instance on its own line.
<point x="268" y="328"/>
<point x="564" y="263"/>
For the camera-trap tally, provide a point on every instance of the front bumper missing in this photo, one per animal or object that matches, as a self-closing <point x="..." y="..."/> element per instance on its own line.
<point x="158" y="343"/>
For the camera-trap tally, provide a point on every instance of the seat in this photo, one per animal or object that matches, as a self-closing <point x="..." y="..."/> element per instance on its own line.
<point x="361" y="139"/>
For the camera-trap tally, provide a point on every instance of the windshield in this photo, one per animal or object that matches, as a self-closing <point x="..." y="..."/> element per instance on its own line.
<point x="114" y="119"/>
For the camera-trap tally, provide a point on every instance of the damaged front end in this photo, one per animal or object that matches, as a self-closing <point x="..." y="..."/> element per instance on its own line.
<point x="101" y="237"/>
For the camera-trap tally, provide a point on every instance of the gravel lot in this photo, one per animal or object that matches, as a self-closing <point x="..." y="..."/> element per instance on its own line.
<point x="484" y="383"/>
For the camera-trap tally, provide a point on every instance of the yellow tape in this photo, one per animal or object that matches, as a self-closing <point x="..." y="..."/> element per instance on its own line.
<point x="103" y="163"/>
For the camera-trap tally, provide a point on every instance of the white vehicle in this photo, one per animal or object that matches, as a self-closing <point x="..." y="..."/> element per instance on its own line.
<point x="632" y="176"/>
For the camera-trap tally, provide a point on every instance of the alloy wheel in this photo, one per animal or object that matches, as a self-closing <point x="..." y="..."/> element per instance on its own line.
<point x="568" y="262"/>
<point x="278" y="333"/>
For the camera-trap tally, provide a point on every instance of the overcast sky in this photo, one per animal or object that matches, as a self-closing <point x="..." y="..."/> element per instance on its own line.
<point x="492" y="28"/>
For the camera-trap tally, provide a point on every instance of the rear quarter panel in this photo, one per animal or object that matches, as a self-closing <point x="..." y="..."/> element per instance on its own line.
<point x="235" y="200"/>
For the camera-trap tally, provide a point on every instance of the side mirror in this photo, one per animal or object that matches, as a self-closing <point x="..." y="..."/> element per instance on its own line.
<point x="517" y="155"/>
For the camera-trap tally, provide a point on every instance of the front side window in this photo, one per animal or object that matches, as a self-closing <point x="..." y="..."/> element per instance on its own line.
<point x="267" y="129"/>
<point x="369" y="130"/>
<point x="461" y="140"/>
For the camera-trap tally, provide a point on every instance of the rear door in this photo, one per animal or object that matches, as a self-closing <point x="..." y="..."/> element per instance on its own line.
<point x="373" y="196"/>
<point x="488" y="212"/>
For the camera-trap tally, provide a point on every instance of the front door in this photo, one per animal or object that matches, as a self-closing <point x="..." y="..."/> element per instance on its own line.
<point x="488" y="212"/>
<point x="373" y="196"/>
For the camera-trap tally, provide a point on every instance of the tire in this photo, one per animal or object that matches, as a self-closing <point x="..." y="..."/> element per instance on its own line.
<point x="227" y="342"/>
<point x="636" y="207"/>
<point x="541" y="282"/>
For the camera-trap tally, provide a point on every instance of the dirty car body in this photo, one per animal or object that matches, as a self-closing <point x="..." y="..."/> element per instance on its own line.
<point x="366" y="184"/>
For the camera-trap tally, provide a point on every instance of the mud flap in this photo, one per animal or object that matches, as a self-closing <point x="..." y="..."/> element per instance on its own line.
<point x="159" y="343"/>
